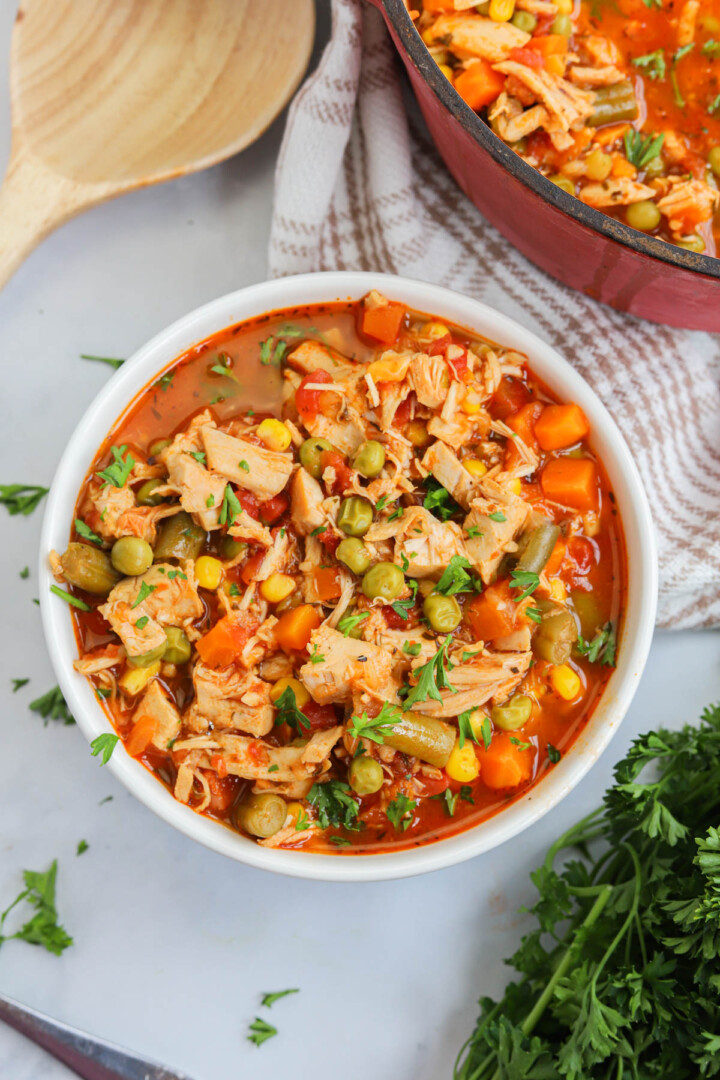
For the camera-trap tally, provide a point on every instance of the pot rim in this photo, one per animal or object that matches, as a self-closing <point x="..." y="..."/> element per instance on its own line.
<point x="612" y="229"/>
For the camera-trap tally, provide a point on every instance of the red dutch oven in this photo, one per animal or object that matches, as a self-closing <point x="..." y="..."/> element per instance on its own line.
<point x="579" y="246"/>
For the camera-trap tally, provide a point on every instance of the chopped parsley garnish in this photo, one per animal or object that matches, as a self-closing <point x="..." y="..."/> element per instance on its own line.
<point x="473" y="533"/>
<point x="466" y="794"/>
<point x="145" y="591"/>
<point x="527" y="580"/>
<point x="112" y="361"/>
<point x="230" y="507"/>
<point x="268" y="1000"/>
<point x="497" y="515"/>
<point x="210" y="501"/>
<point x="334" y="804"/>
<point x="199" y="456"/>
<point x="17" y="684"/>
<point x="711" y="48"/>
<point x="438" y="500"/>
<point x="143" y="621"/>
<point x="431" y="679"/>
<point x="233" y="590"/>
<point x="449" y="799"/>
<point x="683" y="51"/>
<point x="534" y="613"/>
<point x="273" y="348"/>
<point x="303" y="821"/>
<point x="349" y="622"/>
<point x="103" y="692"/>
<point x="287" y="711"/>
<point x="320" y="529"/>
<point x="315" y="656"/>
<point x="553" y="753"/>
<point x="714" y="106"/>
<point x="21" y="498"/>
<point x="400" y="812"/>
<point x="653" y="64"/>
<point x="82" y="847"/>
<point x="381" y="503"/>
<point x="602" y="648"/>
<point x="412" y="648"/>
<point x="260" y="1031"/>
<point x="43" y="928"/>
<point x="104" y="745"/>
<point x="374" y="728"/>
<point x="640" y="151"/>
<point x="339" y="841"/>
<point x="396" y="514"/>
<point x="273" y="768"/>
<point x="455" y="578"/>
<point x="52" y="706"/>
<point x="519" y="743"/>
<point x="86" y="532"/>
<point x="223" y="367"/>
<point x="165" y="381"/>
<point x="465" y="728"/>
<point x="74" y="601"/>
<point x="118" y="471"/>
<point x="171" y="575"/>
<point x="244" y="466"/>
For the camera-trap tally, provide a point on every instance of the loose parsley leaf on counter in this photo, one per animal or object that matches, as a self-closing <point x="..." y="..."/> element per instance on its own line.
<point x="25" y="573"/>
<point x="268" y="1000"/>
<point x="261" y="1031"/>
<point x="400" y="812"/>
<point x="104" y="745"/>
<point x="21" y="498"/>
<point x="17" y="684"/>
<point x="43" y="928"/>
<point x="334" y="804"/>
<point x="112" y="361"/>
<point x="602" y="647"/>
<point x="52" y="706"/>
<point x="82" y="847"/>
<point x="119" y="469"/>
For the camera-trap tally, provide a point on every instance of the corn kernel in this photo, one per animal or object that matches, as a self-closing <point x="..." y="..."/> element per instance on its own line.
<point x="417" y="433"/>
<point x="277" y="587"/>
<point x="295" y="810"/>
<point x="447" y="71"/>
<point x="474" y="467"/>
<point x="462" y="764"/>
<point x="471" y="403"/>
<point x="428" y="36"/>
<point x="515" y="486"/>
<point x="208" y="572"/>
<point x="434" y="329"/>
<point x="301" y="695"/>
<point x="274" y="434"/>
<point x="557" y="591"/>
<point x="565" y="682"/>
<point x="555" y="65"/>
<point x="135" y="679"/>
<point x="501" y="10"/>
<point x="393" y="369"/>
<point x="476" y="720"/>
<point x="565" y="7"/>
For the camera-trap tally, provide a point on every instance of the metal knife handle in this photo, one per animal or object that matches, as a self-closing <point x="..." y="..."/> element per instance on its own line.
<point x="90" y="1058"/>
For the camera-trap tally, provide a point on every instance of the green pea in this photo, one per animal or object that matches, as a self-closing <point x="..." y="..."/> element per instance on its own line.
<point x="147" y="658"/>
<point x="145" y="495"/>
<point x="366" y="775"/>
<point x="89" y="568"/>
<point x="157" y="446"/>
<point x="643" y="215"/>
<point x="524" y="20"/>
<point x="355" y="516"/>
<point x="261" y="815"/>
<point x="442" y="612"/>
<point x="179" y="538"/>
<point x="354" y="555"/>
<point x="231" y="548"/>
<point x="513" y="714"/>
<point x="369" y="459"/>
<point x="384" y="581"/>
<point x="131" y="556"/>
<point x="694" y="243"/>
<point x="178" y="649"/>
<point x="309" y="454"/>
<point x="714" y="160"/>
<point x="562" y="25"/>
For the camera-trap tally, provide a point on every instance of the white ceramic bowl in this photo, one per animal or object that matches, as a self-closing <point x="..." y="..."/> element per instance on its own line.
<point x="151" y="359"/>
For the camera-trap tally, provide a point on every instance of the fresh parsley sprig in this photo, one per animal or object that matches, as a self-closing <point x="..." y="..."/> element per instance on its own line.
<point x="527" y="581"/>
<point x="432" y="677"/>
<point x="118" y="471"/>
<point x="52" y="706"/>
<point x="400" y="812"/>
<point x="374" y="728"/>
<point x="639" y="150"/>
<point x="602" y="648"/>
<point x="287" y="711"/>
<point x="43" y="928"/>
<point x="334" y="804"/>
<point x="455" y="577"/>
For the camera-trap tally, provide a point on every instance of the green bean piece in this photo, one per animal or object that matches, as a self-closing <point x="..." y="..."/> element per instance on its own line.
<point x="365" y="775"/>
<point x="693" y="243"/>
<point x="643" y="215"/>
<point x="355" y="516"/>
<point x="309" y="454"/>
<point x="370" y="459"/>
<point x="157" y="446"/>
<point x="588" y="612"/>
<point x="353" y="554"/>
<point x="442" y="612"/>
<point x="514" y="714"/>
<point x="179" y="538"/>
<point x="614" y="103"/>
<point x="89" y="568"/>
<point x="556" y="634"/>
<point x="261" y="815"/>
<point x="178" y="649"/>
<point x="538" y="548"/>
<point x="147" y="658"/>
<point x="384" y="581"/>
<point x="131" y="556"/>
<point x="423" y="737"/>
<point x="144" y="494"/>
<point x="231" y="548"/>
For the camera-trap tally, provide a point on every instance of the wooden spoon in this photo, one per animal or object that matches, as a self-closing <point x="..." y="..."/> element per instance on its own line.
<point x="111" y="95"/>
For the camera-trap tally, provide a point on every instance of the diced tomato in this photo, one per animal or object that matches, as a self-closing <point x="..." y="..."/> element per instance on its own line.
<point x="528" y="56"/>
<point x="458" y="365"/>
<point x="438" y="345"/>
<point x="93" y="620"/>
<point x="249" y="503"/>
<point x="274" y="508"/>
<point x="320" y="716"/>
<point x="251" y="566"/>
<point x="383" y="323"/>
<point x="429" y="786"/>
<point x="510" y="396"/>
<point x="582" y="553"/>
<point x="307" y="402"/>
<point x="396" y="621"/>
<point x="223" y="791"/>
<point x="329" y="540"/>
<point x="405" y="409"/>
<point x="333" y="459"/>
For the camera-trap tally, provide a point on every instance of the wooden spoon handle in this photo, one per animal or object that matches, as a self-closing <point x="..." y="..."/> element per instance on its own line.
<point x="33" y="202"/>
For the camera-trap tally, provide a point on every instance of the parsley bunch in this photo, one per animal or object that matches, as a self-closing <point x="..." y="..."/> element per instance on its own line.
<point x="621" y="977"/>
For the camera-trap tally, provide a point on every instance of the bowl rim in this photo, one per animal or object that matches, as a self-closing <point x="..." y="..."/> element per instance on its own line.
<point x="612" y="229"/>
<point x="160" y="352"/>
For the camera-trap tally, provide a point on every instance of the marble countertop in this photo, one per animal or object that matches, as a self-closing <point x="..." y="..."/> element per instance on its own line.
<point x="173" y="944"/>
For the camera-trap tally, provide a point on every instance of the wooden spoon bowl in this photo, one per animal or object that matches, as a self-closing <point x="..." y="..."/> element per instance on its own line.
<point x="111" y="95"/>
